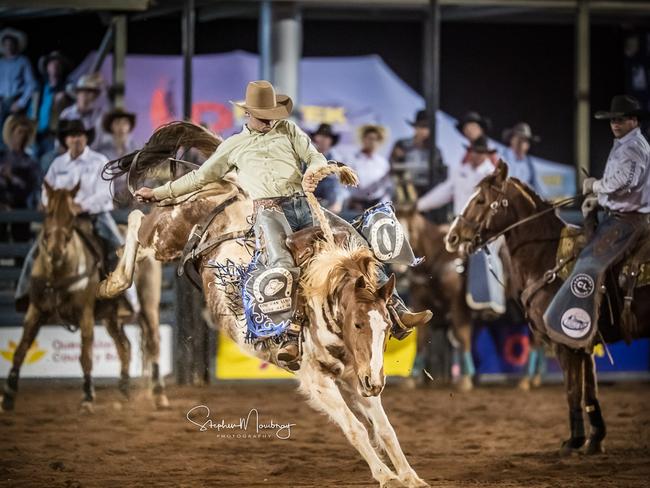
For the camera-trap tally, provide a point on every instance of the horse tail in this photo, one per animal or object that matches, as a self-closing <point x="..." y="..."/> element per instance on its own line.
<point x="171" y="140"/>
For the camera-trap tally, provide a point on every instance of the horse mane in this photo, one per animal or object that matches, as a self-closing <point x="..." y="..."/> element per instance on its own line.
<point x="164" y="143"/>
<point x="333" y="264"/>
<point x="527" y="192"/>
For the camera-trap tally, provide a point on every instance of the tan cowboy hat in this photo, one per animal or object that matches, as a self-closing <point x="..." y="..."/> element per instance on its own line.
<point x="262" y="102"/>
<point x="380" y="129"/>
<point x="17" y="120"/>
<point x="90" y="82"/>
<point x="521" y="129"/>
<point x="20" y="36"/>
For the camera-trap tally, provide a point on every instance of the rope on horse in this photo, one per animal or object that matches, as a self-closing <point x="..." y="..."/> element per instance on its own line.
<point x="346" y="176"/>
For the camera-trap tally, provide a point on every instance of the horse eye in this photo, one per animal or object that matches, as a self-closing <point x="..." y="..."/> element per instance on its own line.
<point x="358" y="325"/>
<point x="480" y="200"/>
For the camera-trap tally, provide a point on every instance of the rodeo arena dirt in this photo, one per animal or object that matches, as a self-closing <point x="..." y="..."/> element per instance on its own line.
<point x="318" y="243"/>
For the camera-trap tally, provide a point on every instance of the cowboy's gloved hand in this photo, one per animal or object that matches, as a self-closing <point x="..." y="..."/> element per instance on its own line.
<point x="309" y="182"/>
<point x="588" y="185"/>
<point x="590" y="203"/>
<point x="145" y="195"/>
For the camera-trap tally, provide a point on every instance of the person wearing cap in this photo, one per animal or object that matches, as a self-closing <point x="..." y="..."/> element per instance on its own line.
<point x="19" y="173"/>
<point x="520" y="165"/>
<point x="329" y="192"/>
<point x="51" y="100"/>
<point x="409" y="157"/>
<point x="80" y="164"/>
<point x="87" y="107"/>
<point x="624" y="194"/>
<point x="373" y="169"/>
<point x="17" y="83"/>
<point x="268" y="155"/>
<point x="474" y="126"/>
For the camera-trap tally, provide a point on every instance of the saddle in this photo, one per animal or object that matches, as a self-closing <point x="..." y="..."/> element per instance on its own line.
<point x="303" y="242"/>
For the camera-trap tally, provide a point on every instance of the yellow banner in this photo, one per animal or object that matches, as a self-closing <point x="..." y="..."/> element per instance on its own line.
<point x="232" y="364"/>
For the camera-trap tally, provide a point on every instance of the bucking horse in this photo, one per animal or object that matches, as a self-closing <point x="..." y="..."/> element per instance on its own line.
<point x="345" y="310"/>
<point x="543" y="249"/>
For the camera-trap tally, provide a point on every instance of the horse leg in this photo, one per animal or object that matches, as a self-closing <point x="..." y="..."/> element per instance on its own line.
<point x="598" y="429"/>
<point x="533" y="376"/>
<point x="116" y="330"/>
<point x="87" y="326"/>
<point x="385" y="434"/>
<point x="462" y="324"/>
<point x="122" y="277"/>
<point x="572" y="365"/>
<point x="30" y="330"/>
<point x="325" y="396"/>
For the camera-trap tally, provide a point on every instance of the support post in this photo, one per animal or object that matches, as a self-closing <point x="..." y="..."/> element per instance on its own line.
<point x="287" y="49"/>
<point x="431" y="81"/>
<point x="265" y="40"/>
<point x="104" y="47"/>
<point x="582" y="91"/>
<point x="187" y="31"/>
<point x="119" y="60"/>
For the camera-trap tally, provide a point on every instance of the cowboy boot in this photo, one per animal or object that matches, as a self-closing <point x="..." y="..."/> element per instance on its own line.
<point x="289" y="350"/>
<point x="404" y="321"/>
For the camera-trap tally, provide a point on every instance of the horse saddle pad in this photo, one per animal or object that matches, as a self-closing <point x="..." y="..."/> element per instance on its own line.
<point x="302" y="243"/>
<point x="572" y="316"/>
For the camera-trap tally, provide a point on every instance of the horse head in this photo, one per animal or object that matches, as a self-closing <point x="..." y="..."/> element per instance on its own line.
<point x="343" y="283"/>
<point x="497" y="203"/>
<point x="58" y="228"/>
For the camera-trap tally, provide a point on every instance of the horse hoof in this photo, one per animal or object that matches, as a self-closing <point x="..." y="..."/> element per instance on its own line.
<point x="412" y="480"/>
<point x="594" y="447"/>
<point x="392" y="483"/>
<point x="465" y="383"/>
<point x="87" y="407"/>
<point x="570" y="447"/>
<point x="161" y="401"/>
<point x="123" y="387"/>
<point x="8" y="403"/>
<point x="524" y="384"/>
<point x="536" y="381"/>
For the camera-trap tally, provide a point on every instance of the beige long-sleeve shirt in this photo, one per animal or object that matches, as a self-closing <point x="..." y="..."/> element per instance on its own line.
<point x="268" y="165"/>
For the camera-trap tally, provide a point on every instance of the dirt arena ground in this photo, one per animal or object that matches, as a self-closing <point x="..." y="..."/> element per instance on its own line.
<point x="494" y="436"/>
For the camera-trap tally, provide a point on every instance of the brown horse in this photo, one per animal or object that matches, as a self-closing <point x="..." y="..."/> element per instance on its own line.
<point x="63" y="287"/>
<point x="500" y="202"/>
<point x="440" y="284"/>
<point x="347" y="318"/>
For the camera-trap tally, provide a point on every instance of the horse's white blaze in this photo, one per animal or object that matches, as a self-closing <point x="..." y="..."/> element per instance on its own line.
<point x="378" y="327"/>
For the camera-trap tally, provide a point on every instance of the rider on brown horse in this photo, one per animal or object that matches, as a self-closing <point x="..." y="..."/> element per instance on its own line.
<point x="624" y="193"/>
<point x="267" y="156"/>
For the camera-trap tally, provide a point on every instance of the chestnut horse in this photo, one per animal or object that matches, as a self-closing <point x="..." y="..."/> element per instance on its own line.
<point x="501" y="202"/>
<point x="347" y="318"/>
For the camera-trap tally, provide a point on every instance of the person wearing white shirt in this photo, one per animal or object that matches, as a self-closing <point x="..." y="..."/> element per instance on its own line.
<point x="520" y="165"/>
<point x="373" y="170"/>
<point x="87" y="106"/>
<point x="79" y="164"/>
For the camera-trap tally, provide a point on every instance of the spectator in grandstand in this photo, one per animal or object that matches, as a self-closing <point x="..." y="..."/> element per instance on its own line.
<point x="87" y="108"/>
<point x="52" y="99"/>
<point x="328" y="192"/>
<point x="19" y="173"/>
<point x="17" y="82"/>
<point x="520" y="165"/>
<point x="474" y="126"/>
<point x="373" y="169"/>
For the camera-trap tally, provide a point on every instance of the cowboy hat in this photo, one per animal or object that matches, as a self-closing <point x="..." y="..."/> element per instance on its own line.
<point x="421" y="119"/>
<point x="90" y="82"/>
<point x="262" y="102"/>
<point x="521" y="129"/>
<point x="71" y="127"/>
<point x="117" y="113"/>
<point x="379" y="129"/>
<point x="21" y="38"/>
<point x="17" y="120"/>
<point x="480" y="146"/>
<point x="623" y="106"/>
<point x="484" y="122"/>
<point x="326" y="130"/>
<point x="43" y="61"/>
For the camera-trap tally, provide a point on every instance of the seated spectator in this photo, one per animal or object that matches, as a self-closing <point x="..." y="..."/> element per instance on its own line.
<point x="373" y="169"/>
<point x="52" y="99"/>
<point x="328" y="192"/>
<point x="409" y="158"/>
<point x="474" y="126"/>
<point x="86" y="107"/>
<point x="19" y="173"/>
<point x="17" y="82"/>
<point x="520" y="164"/>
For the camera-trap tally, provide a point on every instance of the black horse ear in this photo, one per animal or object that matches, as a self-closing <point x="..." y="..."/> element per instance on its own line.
<point x="387" y="289"/>
<point x="501" y="170"/>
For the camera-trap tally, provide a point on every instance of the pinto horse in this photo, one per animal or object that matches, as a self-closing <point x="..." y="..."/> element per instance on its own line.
<point x="64" y="282"/>
<point x="532" y="232"/>
<point x="348" y="323"/>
